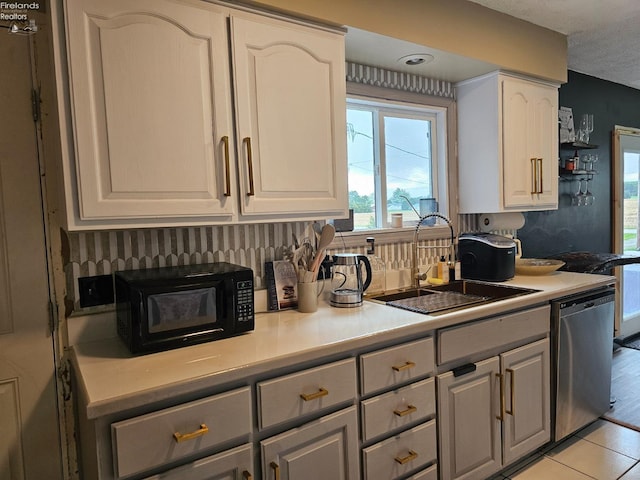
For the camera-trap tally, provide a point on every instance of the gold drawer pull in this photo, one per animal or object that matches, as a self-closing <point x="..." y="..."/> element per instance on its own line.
<point x="251" y="191"/>
<point x="406" y="366"/>
<point x="276" y="470"/>
<point x="409" y="409"/>
<point x="183" y="437"/>
<point x="227" y="171"/>
<point x="322" y="392"/>
<point x="402" y="460"/>
<point x="500" y="378"/>
<point x="512" y="387"/>
<point x="247" y="476"/>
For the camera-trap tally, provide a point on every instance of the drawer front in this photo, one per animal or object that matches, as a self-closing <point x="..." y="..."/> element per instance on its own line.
<point x="302" y="393"/>
<point x="392" y="366"/>
<point x="429" y="473"/>
<point x="230" y="464"/>
<point x="459" y="343"/>
<point x="398" y="408"/>
<point x="401" y="454"/>
<point x="161" y="437"/>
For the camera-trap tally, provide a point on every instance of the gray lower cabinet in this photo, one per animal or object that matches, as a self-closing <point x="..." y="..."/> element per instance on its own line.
<point x="323" y="449"/>
<point x="383" y="414"/>
<point x="494" y="411"/>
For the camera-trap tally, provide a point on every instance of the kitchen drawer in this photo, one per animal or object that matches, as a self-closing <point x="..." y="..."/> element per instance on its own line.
<point x="153" y="439"/>
<point x="396" y="365"/>
<point x="230" y="464"/>
<point x="401" y="454"/>
<point x="305" y="392"/>
<point x="462" y="342"/>
<point x="429" y="473"/>
<point x="395" y="409"/>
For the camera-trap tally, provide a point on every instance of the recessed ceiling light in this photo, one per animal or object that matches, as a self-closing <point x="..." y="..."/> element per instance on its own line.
<point x="416" y="59"/>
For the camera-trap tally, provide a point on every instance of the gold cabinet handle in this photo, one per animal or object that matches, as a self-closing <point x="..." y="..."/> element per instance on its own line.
<point x="247" y="476"/>
<point x="405" y="366"/>
<point x="276" y="470"/>
<point x="183" y="437"/>
<point x="247" y="141"/>
<point x="540" y="176"/>
<point x="512" y="385"/>
<point x="501" y="415"/>
<point x="227" y="171"/>
<point x="322" y="392"/>
<point x="534" y="176"/>
<point x="403" y="460"/>
<point x="407" y="411"/>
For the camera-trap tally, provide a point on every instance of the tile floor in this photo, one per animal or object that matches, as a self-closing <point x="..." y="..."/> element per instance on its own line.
<point x="601" y="451"/>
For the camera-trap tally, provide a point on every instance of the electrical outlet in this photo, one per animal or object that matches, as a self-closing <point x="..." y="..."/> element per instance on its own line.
<point x="96" y="290"/>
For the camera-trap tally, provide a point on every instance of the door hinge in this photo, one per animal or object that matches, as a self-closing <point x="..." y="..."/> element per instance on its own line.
<point x="35" y="105"/>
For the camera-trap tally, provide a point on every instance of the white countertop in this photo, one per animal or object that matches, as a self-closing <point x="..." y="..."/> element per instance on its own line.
<point x="111" y="379"/>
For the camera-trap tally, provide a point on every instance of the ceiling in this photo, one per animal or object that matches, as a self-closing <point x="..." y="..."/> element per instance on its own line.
<point x="603" y="36"/>
<point x="603" y="41"/>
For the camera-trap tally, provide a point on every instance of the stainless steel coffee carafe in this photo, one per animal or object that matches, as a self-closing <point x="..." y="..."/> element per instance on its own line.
<point x="347" y="284"/>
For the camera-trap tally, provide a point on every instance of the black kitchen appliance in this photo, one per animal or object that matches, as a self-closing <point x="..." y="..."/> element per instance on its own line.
<point x="487" y="257"/>
<point x="162" y="308"/>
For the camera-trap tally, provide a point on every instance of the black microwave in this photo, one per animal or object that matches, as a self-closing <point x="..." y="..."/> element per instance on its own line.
<point x="168" y="307"/>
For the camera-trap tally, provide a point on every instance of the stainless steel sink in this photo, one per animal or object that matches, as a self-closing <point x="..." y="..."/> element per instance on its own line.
<point x="448" y="297"/>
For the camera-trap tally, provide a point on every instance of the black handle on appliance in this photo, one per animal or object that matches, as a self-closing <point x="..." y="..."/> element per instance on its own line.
<point x="464" y="369"/>
<point x="367" y="266"/>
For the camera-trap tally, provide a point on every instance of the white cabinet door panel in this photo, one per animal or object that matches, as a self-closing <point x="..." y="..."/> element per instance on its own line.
<point x="291" y="116"/>
<point x="326" y="448"/>
<point x="470" y="437"/>
<point x="151" y="103"/>
<point x="527" y="382"/>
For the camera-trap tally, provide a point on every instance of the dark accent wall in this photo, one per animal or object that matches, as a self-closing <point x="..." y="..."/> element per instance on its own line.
<point x="573" y="228"/>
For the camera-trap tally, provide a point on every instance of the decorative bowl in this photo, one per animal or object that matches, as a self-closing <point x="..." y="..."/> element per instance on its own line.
<point x="537" y="266"/>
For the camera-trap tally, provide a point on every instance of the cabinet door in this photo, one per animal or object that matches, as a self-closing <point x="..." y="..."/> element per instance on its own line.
<point x="529" y="139"/>
<point x="291" y="116"/>
<point x="234" y="464"/>
<point x="526" y="372"/>
<point x="468" y="407"/>
<point x="324" y="449"/>
<point x="150" y="102"/>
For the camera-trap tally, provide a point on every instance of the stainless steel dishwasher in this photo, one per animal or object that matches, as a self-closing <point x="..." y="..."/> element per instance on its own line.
<point x="582" y="330"/>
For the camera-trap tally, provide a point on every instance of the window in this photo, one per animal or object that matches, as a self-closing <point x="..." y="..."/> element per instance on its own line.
<point x="394" y="154"/>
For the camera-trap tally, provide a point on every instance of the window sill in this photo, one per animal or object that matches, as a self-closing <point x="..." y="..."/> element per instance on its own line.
<point x="388" y="235"/>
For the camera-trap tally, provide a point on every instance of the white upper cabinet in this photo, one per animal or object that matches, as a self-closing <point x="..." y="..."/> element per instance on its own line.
<point x="150" y="92"/>
<point x="507" y="144"/>
<point x="291" y="121"/>
<point x="153" y="133"/>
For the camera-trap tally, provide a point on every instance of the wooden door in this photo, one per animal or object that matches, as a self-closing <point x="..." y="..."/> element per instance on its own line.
<point x="151" y="109"/>
<point x="324" y="449"/>
<point x="544" y="142"/>
<point x="29" y="431"/>
<point x="291" y="118"/>
<point x="470" y="438"/>
<point x="530" y="144"/>
<point x="517" y="160"/>
<point x="527" y="423"/>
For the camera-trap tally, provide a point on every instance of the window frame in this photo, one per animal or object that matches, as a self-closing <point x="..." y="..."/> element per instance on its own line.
<point x="383" y="110"/>
<point x="447" y="169"/>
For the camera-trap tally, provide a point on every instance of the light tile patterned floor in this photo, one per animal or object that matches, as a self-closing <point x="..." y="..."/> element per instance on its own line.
<point x="601" y="451"/>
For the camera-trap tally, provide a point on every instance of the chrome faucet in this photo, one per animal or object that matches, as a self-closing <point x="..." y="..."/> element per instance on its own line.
<point x="416" y="276"/>
<point x="415" y="270"/>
